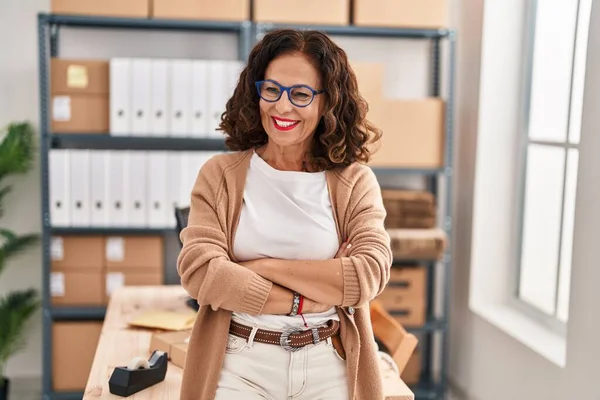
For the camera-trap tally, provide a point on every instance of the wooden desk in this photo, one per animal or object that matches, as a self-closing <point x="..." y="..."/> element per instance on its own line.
<point x="118" y="344"/>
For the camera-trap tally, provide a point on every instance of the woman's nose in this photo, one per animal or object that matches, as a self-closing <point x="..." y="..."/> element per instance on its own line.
<point x="284" y="104"/>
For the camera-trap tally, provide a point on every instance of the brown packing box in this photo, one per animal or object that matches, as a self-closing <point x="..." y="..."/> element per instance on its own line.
<point x="77" y="287"/>
<point x="80" y="113"/>
<point x="178" y="352"/>
<point x="412" y="372"/>
<point x="109" y="8"/>
<point x="222" y="10"/>
<point x="173" y="343"/>
<point x="406" y="294"/>
<point x="401" y="13"/>
<point x="77" y="270"/>
<point x="70" y="76"/>
<point x="73" y="348"/>
<point x="115" y="278"/>
<point x="417" y="244"/>
<point x="313" y="12"/>
<point x="163" y="341"/>
<point x="77" y="252"/>
<point x="140" y="252"/>
<point x="412" y="133"/>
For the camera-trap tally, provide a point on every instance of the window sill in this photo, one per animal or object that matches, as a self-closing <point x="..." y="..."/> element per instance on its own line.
<point x="528" y="331"/>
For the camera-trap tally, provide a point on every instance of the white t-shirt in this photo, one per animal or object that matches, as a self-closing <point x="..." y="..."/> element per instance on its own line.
<point x="285" y="215"/>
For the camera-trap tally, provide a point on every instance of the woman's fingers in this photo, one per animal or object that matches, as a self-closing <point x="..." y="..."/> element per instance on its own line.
<point x="343" y="250"/>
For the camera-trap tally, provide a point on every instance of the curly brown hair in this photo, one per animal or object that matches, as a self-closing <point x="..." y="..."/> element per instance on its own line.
<point x="343" y="135"/>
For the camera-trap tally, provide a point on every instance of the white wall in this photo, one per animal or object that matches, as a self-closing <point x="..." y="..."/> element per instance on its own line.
<point x="487" y="364"/>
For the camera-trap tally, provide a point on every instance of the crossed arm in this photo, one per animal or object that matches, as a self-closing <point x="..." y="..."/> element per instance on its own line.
<point x="320" y="282"/>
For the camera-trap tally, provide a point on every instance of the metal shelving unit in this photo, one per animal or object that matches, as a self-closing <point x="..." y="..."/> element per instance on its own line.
<point x="78" y="313"/>
<point x="248" y="33"/>
<point x="108" y="142"/>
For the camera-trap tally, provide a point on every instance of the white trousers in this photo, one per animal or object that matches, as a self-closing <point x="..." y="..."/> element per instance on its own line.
<point x="258" y="371"/>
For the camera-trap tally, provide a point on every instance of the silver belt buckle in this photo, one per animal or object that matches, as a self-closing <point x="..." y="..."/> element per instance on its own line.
<point x="285" y="341"/>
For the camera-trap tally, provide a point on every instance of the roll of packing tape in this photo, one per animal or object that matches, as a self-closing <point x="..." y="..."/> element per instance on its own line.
<point x="138" y="363"/>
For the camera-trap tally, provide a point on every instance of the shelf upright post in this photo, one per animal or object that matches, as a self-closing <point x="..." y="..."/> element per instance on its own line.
<point x="246" y="39"/>
<point x="43" y="132"/>
<point x="448" y="223"/>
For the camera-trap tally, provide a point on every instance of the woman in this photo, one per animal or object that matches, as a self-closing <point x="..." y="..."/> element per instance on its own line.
<point x="285" y="244"/>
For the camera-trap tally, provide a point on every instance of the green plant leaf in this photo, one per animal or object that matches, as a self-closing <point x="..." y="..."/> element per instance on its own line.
<point x="17" y="149"/>
<point x="3" y="193"/>
<point x="16" y="309"/>
<point x="13" y="245"/>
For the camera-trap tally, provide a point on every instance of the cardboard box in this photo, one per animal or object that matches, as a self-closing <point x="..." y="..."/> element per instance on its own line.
<point x="222" y="10"/>
<point x="178" y="353"/>
<point x="413" y="133"/>
<point x="310" y="12"/>
<point x="69" y="76"/>
<point x="163" y="341"/>
<point x="73" y="348"/>
<point x="77" y="287"/>
<point x="405" y="295"/>
<point x="82" y="252"/>
<point x="430" y="14"/>
<point x="140" y="252"/>
<point x="108" y="8"/>
<point x="412" y="372"/>
<point x="115" y="278"/>
<point x="80" y="113"/>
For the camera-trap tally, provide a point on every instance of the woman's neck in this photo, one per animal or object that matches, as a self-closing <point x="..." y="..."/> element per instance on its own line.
<point x="284" y="158"/>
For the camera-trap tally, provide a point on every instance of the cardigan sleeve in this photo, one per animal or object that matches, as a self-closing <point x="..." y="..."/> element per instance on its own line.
<point x="206" y="271"/>
<point x="366" y="270"/>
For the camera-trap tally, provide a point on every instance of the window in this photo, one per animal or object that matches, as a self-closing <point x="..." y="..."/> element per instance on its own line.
<point x="553" y="94"/>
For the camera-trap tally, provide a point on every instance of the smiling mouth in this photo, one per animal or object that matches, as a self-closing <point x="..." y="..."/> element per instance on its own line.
<point x="284" y="125"/>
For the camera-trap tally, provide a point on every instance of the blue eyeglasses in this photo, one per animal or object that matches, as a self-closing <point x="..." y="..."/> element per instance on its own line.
<point x="299" y="95"/>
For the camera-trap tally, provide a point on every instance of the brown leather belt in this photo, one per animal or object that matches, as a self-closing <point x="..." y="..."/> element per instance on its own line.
<point x="293" y="339"/>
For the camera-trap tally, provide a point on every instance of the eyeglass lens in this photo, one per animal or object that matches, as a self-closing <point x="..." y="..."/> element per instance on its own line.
<point x="300" y="96"/>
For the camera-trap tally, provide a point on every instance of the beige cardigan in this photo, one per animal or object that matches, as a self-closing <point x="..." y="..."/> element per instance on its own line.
<point x="209" y="272"/>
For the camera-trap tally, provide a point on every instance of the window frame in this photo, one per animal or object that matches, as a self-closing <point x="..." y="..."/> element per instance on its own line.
<point x="551" y="321"/>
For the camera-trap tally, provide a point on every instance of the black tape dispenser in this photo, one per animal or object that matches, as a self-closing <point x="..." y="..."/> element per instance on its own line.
<point x="139" y="374"/>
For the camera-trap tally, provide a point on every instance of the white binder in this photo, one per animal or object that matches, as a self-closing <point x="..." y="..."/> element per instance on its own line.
<point x="140" y="96"/>
<point x="136" y="208"/>
<point x="59" y="187"/>
<point x="235" y="70"/>
<point x="99" y="181"/>
<point x="181" y="98"/>
<point x="200" y="99"/>
<point x="159" y="215"/>
<point x="118" y="189"/>
<point x="175" y="161"/>
<point x="80" y="188"/>
<point x="120" y="96"/>
<point x="218" y="89"/>
<point x="159" y="98"/>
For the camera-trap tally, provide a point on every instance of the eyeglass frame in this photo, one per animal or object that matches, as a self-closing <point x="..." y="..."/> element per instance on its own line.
<point x="288" y="90"/>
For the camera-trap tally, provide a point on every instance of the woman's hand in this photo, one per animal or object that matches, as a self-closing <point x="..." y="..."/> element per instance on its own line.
<point x="344" y="250"/>
<point x="311" y="307"/>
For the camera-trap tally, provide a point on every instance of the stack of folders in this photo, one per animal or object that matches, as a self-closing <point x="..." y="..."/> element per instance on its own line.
<point x="102" y="188"/>
<point x="170" y="97"/>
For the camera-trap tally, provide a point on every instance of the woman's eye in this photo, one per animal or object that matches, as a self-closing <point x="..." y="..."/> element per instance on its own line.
<point x="272" y="90"/>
